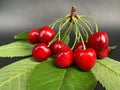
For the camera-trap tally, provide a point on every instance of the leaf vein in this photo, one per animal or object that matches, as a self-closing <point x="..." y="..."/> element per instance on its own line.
<point x="108" y="67"/>
<point x="17" y="75"/>
<point x="62" y="79"/>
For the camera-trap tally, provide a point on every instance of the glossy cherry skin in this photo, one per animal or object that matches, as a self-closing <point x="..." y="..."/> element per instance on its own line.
<point x="41" y="52"/>
<point x="46" y="34"/>
<point x="64" y="59"/>
<point x="98" y="41"/>
<point x="103" y="53"/>
<point x="79" y="45"/>
<point x="84" y="59"/>
<point x="57" y="47"/>
<point x="33" y="36"/>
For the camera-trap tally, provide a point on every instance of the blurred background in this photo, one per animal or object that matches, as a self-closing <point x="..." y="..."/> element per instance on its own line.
<point x="17" y="16"/>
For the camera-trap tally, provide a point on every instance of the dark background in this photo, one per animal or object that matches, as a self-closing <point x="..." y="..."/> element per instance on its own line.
<point x="20" y="15"/>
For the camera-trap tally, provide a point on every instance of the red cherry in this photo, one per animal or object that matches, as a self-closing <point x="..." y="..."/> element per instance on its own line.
<point x="103" y="53"/>
<point x="79" y="45"/>
<point x="85" y="59"/>
<point x="33" y="36"/>
<point x="98" y="41"/>
<point x="64" y="59"/>
<point x="46" y="34"/>
<point x="58" y="46"/>
<point x="41" y="52"/>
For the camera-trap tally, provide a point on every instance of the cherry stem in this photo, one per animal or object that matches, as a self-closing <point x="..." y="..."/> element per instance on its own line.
<point x="61" y="27"/>
<point x="83" y="29"/>
<point x="76" y="37"/>
<point x="58" y="33"/>
<point x="57" y="21"/>
<point x="96" y="26"/>
<point x="67" y="31"/>
<point x="86" y="25"/>
<point x="82" y="40"/>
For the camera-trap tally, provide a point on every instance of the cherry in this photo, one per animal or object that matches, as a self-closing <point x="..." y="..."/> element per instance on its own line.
<point x="41" y="52"/>
<point x="33" y="36"/>
<point x="103" y="53"/>
<point x="98" y="41"/>
<point x="79" y="45"/>
<point x="85" y="59"/>
<point x="64" y="59"/>
<point x="58" y="46"/>
<point x="46" y="34"/>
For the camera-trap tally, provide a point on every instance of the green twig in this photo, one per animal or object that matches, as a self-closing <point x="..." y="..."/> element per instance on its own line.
<point x="76" y="37"/>
<point x="84" y="47"/>
<point x="61" y="27"/>
<point x="57" y="21"/>
<point x="68" y="30"/>
<point x="96" y="26"/>
<point x="89" y="24"/>
<point x="83" y="29"/>
<point x="58" y="33"/>
<point x="85" y="25"/>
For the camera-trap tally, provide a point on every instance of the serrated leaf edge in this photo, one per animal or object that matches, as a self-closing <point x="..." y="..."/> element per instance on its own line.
<point x="98" y="61"/>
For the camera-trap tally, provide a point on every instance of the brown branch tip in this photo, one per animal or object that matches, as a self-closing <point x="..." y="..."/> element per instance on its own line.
<point x="73" y="10"/>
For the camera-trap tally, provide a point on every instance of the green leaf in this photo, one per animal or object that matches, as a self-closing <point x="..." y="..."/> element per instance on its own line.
<point x="22" y="36"/>
<point x="16" y="49"/>
<point x="15" y="76"/>
<point x="46" y="76"/>
<point x="107" y="71"/>
<point x="113" y="47"/>
<point x="66" y="41"/>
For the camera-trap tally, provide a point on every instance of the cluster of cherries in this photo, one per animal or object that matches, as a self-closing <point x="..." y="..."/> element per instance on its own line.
<point x="85" y="58"/>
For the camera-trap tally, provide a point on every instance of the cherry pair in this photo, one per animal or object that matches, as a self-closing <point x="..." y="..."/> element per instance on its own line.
<point x="97" y="46"/>
<point x="99" y="42"/>
<point x="44" y="35"/>
<point x="63" y="54"/>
